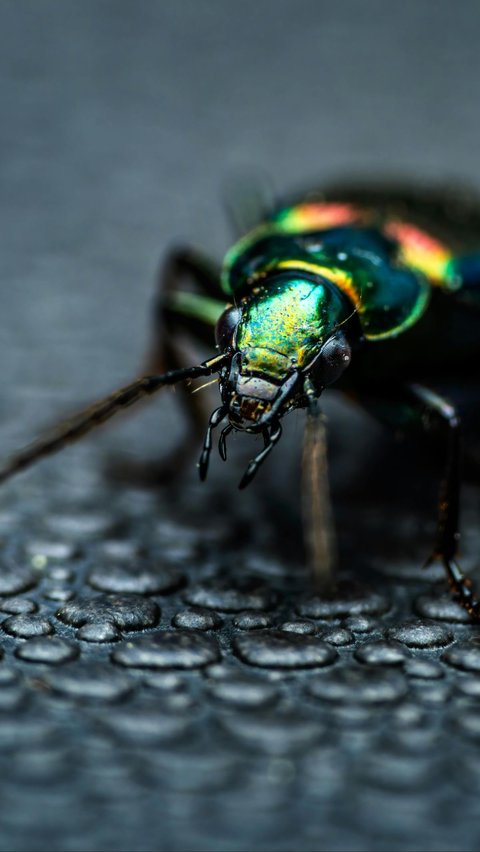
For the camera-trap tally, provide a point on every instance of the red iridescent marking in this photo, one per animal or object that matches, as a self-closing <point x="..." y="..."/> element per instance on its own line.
<point x="312" y="216"/>
<point x="421" y="251"/>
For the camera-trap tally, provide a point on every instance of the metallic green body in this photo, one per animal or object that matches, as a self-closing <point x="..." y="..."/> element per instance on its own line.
<point x="373" y="291"/>
<point x="388" y="296"/>
<point x="409" y="291"/>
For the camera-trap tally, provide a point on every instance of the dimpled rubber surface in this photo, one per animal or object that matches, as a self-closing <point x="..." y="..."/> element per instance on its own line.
<point x="167" y="682"/>
<point x="158" y="682"/>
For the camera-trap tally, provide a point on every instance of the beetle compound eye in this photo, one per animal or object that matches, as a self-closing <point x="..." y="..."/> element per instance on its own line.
<point x="226" y="326"/>
<point x="334" y="358"/>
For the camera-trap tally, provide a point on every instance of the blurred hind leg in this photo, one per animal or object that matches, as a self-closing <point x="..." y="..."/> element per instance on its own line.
<point x="182" y="317"/>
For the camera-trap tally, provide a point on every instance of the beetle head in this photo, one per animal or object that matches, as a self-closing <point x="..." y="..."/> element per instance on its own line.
<point x="256" y="397"/>
<point x="260" y="385"/>
<point x="285" y="343"/>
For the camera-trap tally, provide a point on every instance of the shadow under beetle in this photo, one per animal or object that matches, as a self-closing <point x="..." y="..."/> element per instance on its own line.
<point x="373" y="289"/>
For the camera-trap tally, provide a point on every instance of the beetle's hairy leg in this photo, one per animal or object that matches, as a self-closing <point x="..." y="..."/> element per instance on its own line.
<point x="445" y="415"/>
<point x="78" y="425"/>
<point x="419" y="406"/>
<point x="448" y="533"/>
<point x="319" y="530"/>
<point x="460" y="584"/>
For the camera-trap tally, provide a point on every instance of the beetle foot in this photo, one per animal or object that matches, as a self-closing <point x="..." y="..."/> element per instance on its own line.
<point x="461" y="585"/>
<point x="463" y="589"/>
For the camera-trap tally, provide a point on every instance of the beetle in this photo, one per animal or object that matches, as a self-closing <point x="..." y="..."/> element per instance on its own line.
<point x="373" y="289"/>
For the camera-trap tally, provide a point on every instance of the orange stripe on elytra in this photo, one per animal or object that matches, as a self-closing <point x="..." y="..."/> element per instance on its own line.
<point x="337" y="276"/>
<point x="420" y="250"/>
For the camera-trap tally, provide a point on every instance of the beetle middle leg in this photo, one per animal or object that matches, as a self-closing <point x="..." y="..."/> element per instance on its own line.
<point x="424" y="408"/>
<point x="181" y="316"/>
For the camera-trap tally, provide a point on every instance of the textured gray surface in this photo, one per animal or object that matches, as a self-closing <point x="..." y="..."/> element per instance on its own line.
<point x="165" y="683"/>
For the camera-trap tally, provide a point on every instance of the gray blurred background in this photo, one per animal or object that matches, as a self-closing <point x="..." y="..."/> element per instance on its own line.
<point x="121" y="120"/>
<point x="119" y="124"/>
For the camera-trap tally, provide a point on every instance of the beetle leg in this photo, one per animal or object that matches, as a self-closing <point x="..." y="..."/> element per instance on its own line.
<point x="180" y="316"/>
<point x="419" y="406"/>
<point x="222" y="441"/>
<point x="75" y="427"/>
<point x="438" y="410"/>
<point x="214" y="421"/>
<point x="255" y="463"/>
<point x="319" y="530"/>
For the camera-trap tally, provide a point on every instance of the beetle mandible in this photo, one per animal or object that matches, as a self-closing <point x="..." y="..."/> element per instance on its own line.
<point x="364" y="287"/>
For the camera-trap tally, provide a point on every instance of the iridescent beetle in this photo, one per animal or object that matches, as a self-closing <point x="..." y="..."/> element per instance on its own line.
<point x="373" y="289"/>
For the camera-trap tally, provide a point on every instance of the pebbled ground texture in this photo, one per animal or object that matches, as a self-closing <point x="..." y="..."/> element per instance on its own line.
<point x="152" y="699"/>
<point x="167" y="680"/>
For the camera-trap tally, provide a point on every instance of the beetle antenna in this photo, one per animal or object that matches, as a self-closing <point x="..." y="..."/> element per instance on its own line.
<point x="75" y="427"/>
<point x="215" y="419"/>
<point x="255" y="463"/>
<point x="222" y="442"/>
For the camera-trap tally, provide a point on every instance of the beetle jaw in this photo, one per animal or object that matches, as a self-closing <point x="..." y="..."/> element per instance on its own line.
<point x="254" y="403"/>
<point x="250" y="402"/>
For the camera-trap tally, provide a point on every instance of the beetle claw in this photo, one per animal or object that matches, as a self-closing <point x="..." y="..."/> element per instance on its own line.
<point x="215" y="419"/>
<point x="222" y="442"/>
<point x="203" y="464"/>
<point x="270" y="441"/>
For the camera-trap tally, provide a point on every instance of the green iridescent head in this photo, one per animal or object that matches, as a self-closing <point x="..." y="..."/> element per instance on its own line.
<point x="287" y="343"/>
